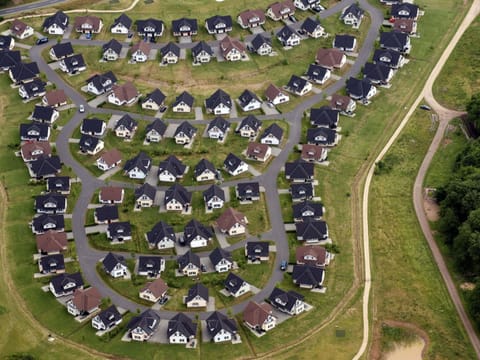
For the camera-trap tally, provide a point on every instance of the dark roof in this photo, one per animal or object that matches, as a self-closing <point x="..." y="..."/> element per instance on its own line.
<point x="126" y="121"/>
<point x="42" y="113"/>
<point x="344" y="41"/>
<point x="296" y="83"/>
<point x="39" y="222"/>
<point x="358" y="88"/>
<point x="160" y="231"/>
<point x="255" y="249"/>
<point x="74" y="62"/>
<point x="119" y="229"/>
<point x="197" y="289"/>
<point x="9" y="58"/>
<point x="273" y="130"/>
<point x="183" y="324"/>
<point x="179" y="193"/>
<point x="376" y="72"/>
<point x="148" y="321"/>
<point x="212" y="191"/>
<point x="151" y="264"/>
<point x="107" y="213"/>
<point x="202" y="46"/>
<point x="58" y="183"/>
<point x="316" y="72"/>
<point x="218" y="254"/>
<point x="252" y="122"/>
<point x="188" y="258"/>
<point x="202" y="166"/>
<point x="184" y="97"/>
<point x="299" y="169"/>
<point x="387" y="56"/>
<point x="103" y="82"/>
<point x="156" y="96"/>
<point x="178" y="24"/>
<point x="284" y="300"/>
<point x="219" y="22"/>
<point x="321" y="136"/>
<point x="217" y="322"/>
<point x="410" y="10"/>
<point x="393" y="40"/>
<point x="307" y="275"/>
<point x="246" y="97"/>
<point x="354" y="10"/>
<point x="195" y="228"/>
<point x="52" y="263"/>
<point x="109" y="316"/>
<point x="170" y="47"/>
<point x="111" y="260"/>
<point x="62" y="49"/>
<point x="186" y="128"/>
<point x="35" y="87"/>
<point x="232" y="162"/>
<point x="309" y="25"/>
<point x="301" y="191"/>
<point x="46" y="166"/>
<point x="233" y="283"/>
<point x="60" y="281"/>
<point x="123" y="20"/>
<point x="5" y="41"/>
<point x="157" y="25"/>
<point x="146" y="190"/>
<point x="59" y="18"/>
<point x="158" y="125"/>
<point x="220" y="123"/>
<point x="259" y="40"/>
<point x="173" y="166"/>
<point x="250" y="189"/>
<point x="307" y="209"/>
<point x="217" y="98"/>
<point x="24" y="71"/>
<point x="114" y="45"/>
<point x="285" y="33"/>
<point x="142" y="161"/>
<point x="58" y="201"/>
<point x="92" y="126"/>
<point x="88" y="142"/>
<point x="324" y="117"/>
<point x="312" y="230"/>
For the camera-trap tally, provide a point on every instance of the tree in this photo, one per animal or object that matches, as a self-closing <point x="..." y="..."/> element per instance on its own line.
<point x="473" y="110"/>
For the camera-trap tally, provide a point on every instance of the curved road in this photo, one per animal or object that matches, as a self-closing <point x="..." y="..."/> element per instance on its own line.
<point x="29" y="7"/>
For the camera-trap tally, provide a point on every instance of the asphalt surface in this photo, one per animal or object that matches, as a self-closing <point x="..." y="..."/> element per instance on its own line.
<point x="29" y="7"/>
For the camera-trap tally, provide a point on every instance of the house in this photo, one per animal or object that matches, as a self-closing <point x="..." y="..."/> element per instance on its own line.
<point x="56" y="24"/>
<point x="344" y="104"/>
<point x="307" y="211"/>
<point x="151" y="266"/>
<point x="114" y="265"/>
<point x="84" y="302"/>
<point x="360" y="90"/>
<point x="259" y="317"/>
<point x="275" y="95"/>
<point x="170" y="53"/>
<point x="107" y="319"/>
<point x="51" y="242"/>
<point x="221" y="260"/>
<point x="22" y="73"/>
<point x="219" y="24"/>
<point x="312" y="255"/>
<point x="111" y="195"/>
<point x="218" y="128"/>
<point x="51" y="203"/>
<point x="94" y="127"/>
<point x="142" y="327"/>
<point x="313" y="153"/>
<point x="221" y="328"/>
<point x="34" y="131"/>
<point x="145" y="196"/>
<point x="214" y="197"/>
<point x="309" y="277"/>
<point x="45" y="222"/>
<point x="140" y="51"/>
<point x="404" y="11"/>
<point x="109" y="159"/>
<point x="232" y="222"/>
<point x="250" y="19"/>
<point x="73" y="64"/>
<point x="121" y="25"/>
<point x="232" y="49"/>
<point x="185" y="133"/>
<point x="280" y="10"/>
<point x="305" y="4"/>
<point x="236" y="286"/>
<point x="125" y="127"/>
<point x="346" y="43"/>
<point x="161" y="236"/>
<point x="60" y="184"/>
<point x="155" y="131"/>
<point x="181" y="329"/>
<point x="106" y="214"/>
<point x="51" y="264"/>
<point x="154" y="291"/>
<point x="249" y="191"/>
<point x="311" y="231"/>
<point x="111" y="50"/>
<point x="125" y="94"/>
<point x="301" y="191"/>
<point x="20" y="30"/>
<point x="395" y="40"/>
<point x="272" y="135"/>
<point x="322" y="136"/>
<point x="289" y="302"/>
<point x="189" y="263"/>
<point x="352" y="15"/>
<point x="88" y="24"/>
<point x="248" y="101"/>
<point x="32" y="89"/>
<point x="150" y="28"/>
<point x="318" y="74"/>
<point x="219" y="103"/>
<point x="32" y="150"/>
<point x="324" y="117"/>
<point x="177" y="198"/>
<point x="65" y="284"/>
<point x="234" y="165"/>
<point x="261" y="45"/>
<point x="377" y="73"/>
<point x="202" y="53"/>
<point x="61" y="51"/>
<point x="119" y="232"/>
<point x="259" y="152"/>
<point x="45" y="167"/>
<point x="204" y="171"/>
<point x="257" y="251"/>
<point x="249" y="127"/>
<point x="183" y="103"/>
<point x="101" y="83"/>
<point x="196" y="234"/>
<point x="138" y="167"/>
<point x="44" y="114"/>
<point x="299" y="171"/>
<point x="330" y="58"/>
<point x="90" y="145"/>
<point x="184" y="27"/>
<point x="288" y="36"/>
<point x="154" y="100"/>
<point x="312" y="28"/>
<point x="197" y="296"/>
<point x="55" y="98"/>
<point x="407" y="26"/>
<point x="171" y="169"/>
<point x="298" y="85"/>
<point x="7" y="42"/>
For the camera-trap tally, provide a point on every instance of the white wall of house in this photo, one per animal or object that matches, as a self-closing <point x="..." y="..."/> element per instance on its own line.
<point x="222" y="335"/>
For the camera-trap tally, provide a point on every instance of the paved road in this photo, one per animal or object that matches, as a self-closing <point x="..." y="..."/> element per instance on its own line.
<point x="29" y="7"/>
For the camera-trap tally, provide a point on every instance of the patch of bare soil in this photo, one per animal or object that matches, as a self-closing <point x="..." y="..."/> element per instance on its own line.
<point x="431" y="209"/>
<point x="468" y="286"/>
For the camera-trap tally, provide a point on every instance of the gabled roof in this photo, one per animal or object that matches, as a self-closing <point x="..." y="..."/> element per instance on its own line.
<point x="376" y="72"/>
<point x="358" y="88"/>
<point x="107" y="213"/>
<point x="93" y="125"/>
<point x="307" y="207"/>
<point x="200" y="47"/>
<point x="197" y="289"/>
<point x="252" y="122"/>
<point x="272" y="92"/>
<point x="393" y="39"/>
<point x="103" y="82"/>
<point x="52" y="263"/>
<point x="220" y="123"/>
<point x="227" y="44"/>
<point x="387" y="56"/>
<point x="113" y="45"/>
<point x="217" y="322"/>
<point x="127" y="122"/>
<point x="217" y="98"/>
<point x="145" y="190"/>
<point x="88" y="142"/>
<point x="142" y="46"/>
<point x="352" y="10"/>
<point x="142" y="161"/>
<point x="340" y="102"/>
<point x="252" y="16"/>
<point x="273" y="130"/>
<point x="410" y="10"/>
<point x="153" y="23"/>
<point x="59" y="18"/>
<point x="219" y="254"/>
<point x="229" y="218"/>
<point x="59" y="202"/>
<point x="185" y="98"/>
<point x="172" y="165"/>
<point x="150" y="264"/>
<point x="299" y="169"/>
<point x="301" y="190"/>
<point x="160" y="231"/>
<point x="60" y="281"/>
<point x="55" y="97"/>
<point x="183" y="324"/>
<point x="312" y="152"/>
<point x="58" y="183"/>
<point x="111" y="157"/>
<point x="188" y="258"/>
<point x="156" y="96"/>
<point x="308" y="275"/>
<point x="52" y="241"/>
<point x="316" y="72"/>
<point x="212" y="191"/>
<point x="193" y="229"/>
<point x="296" y="83"/>
<point x="324" y="116"/>
<point x="111" y="260"/>
<point x="9" y="58"/>
<point x="6" y="42"/>
<point x="111" y="193"/>
<point x="39" y="222"/>
<point x="313" y="255"/>
<point x="247" y="97"/>
<point x="119" y="229"/>
<point x="18" y="27"/>
<point x="317" y="229"/>
<point x="248" y="188"/>
<point x="171" y="47"/>
<point x="284" y="300"/>
<point x="257" y="150"/>
<point x="32" y="150"/>
<point x="178" y="24"/>
<point x="158" y="125"/>
<point x="285" y="33"/>
<point x="35" y="87"/>
<point x="343" y="41"/>
<point x="260" y="40"/>
<point x="233" y="283"/>
<point x="219" y="21"/>
<point x="24" y="71"/>
<point x="179" y="193"/>
<point x="109" y="316"/>
<point x="185" y="128"/>
<point x="329" y="57"/>
<point x="321" y="136"/>
<point x="147" y="321"/>
<point x="279" y="8"/>
<point x="123" y="20"/>
<point x="158" y="287"/>
<point x="125" y="92"/>
<point x="310" y="25"/>
<point x="62" y="49"/>
<point x="255" y="249"/>
<point x="94" y="21"/>
<point x="46" y="165"/>
<point x="232" y="162"/>
<point x="43" y="113"/>
<point x="202" y="166"/>
<point x="256" y="314"/>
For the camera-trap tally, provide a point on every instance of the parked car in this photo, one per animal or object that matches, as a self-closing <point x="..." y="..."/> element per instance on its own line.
<point x="292" y="18"/>
<point x="283" y="265"/>
<point x="81" y="108"/>
<point x="425" y="107"/>
<point x="130" y="35"/>
<point x="163" y="300"/>
<point x="317" y="8"/>
<point x="41" y="41"/>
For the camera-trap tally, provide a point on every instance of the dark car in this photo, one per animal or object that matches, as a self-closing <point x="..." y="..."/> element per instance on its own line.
<point x="292" y="18"/>
<point x="41" y="41"/>
<point x="283" y="265"/>
<point x="425" y="107"/>
<point x="130" y="35"/>
<point x="163" y="300"/>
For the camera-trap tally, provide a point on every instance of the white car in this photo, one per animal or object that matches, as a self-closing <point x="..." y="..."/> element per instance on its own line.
<point x="81" y="108"/>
